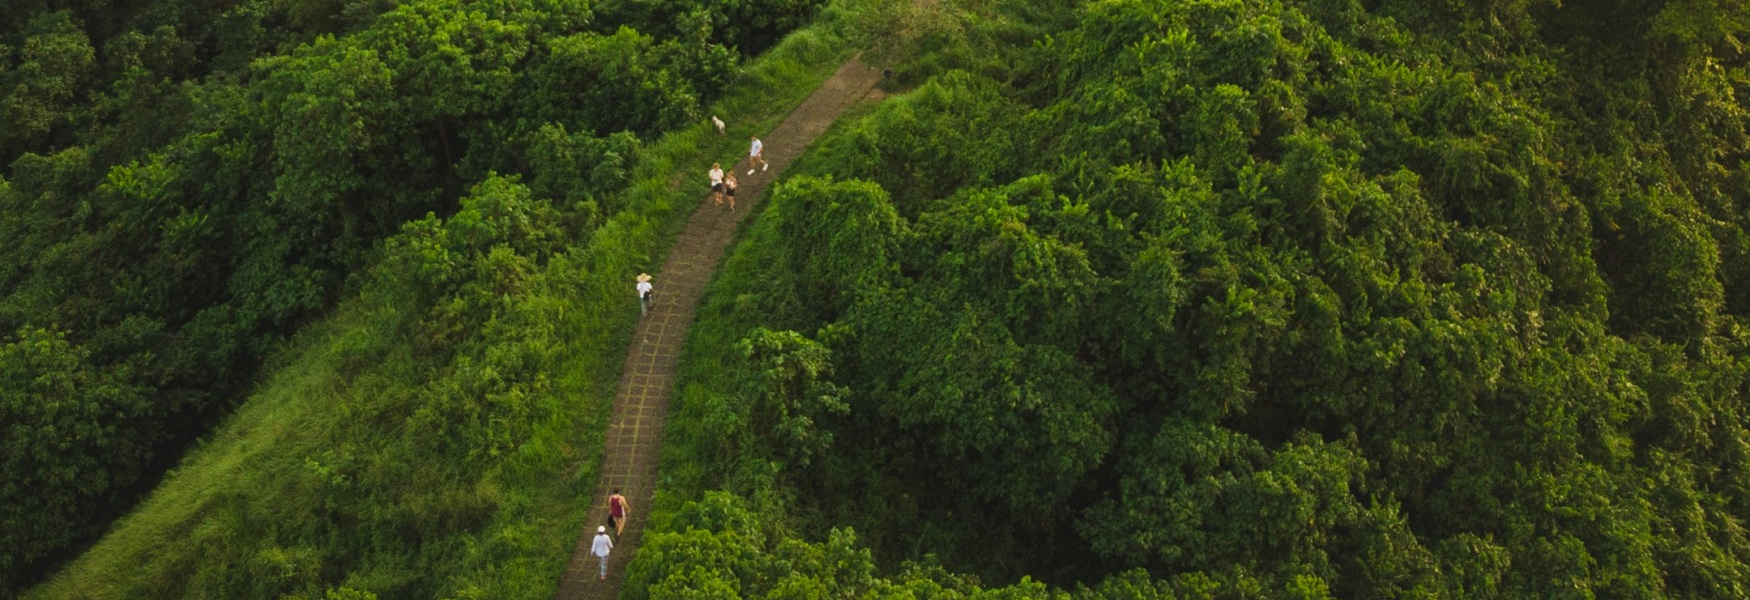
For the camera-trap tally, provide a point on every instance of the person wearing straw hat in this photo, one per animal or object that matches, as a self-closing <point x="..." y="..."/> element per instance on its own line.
<point x="644" y="290"/>
<point x="602" y="546"/>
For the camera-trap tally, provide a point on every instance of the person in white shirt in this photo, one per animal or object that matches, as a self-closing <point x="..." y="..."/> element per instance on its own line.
<point x="644" y="290"/>
<point x="716" y="183"/>
<point x="603" y="545"/>
<point x="754" y="151"/>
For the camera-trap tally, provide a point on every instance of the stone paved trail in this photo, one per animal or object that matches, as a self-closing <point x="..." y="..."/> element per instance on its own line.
<point x="634" y="437"/>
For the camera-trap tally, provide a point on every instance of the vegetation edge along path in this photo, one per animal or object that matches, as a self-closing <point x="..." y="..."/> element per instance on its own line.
<point x="634" y="438"/>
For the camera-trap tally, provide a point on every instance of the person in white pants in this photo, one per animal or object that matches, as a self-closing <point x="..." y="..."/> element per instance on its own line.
<point x="603" y="545"/>
<point x="754" y="152"/>
<point x="644" y="290"/>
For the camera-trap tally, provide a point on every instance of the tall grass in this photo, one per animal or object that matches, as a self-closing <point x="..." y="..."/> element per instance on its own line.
<point x="350" y="472"/>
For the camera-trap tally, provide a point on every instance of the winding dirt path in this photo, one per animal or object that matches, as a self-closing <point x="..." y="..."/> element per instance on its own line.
<point x="634" y="437"/>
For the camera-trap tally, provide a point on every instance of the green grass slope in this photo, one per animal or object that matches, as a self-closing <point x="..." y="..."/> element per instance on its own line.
<point x="188" y="183"/>
<point x="438" y="436"/>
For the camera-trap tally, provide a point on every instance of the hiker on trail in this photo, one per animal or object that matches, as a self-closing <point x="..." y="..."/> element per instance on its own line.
<point x="729" y="189"/>
<point x="644" y="290"/>
<point x="716" y="183"/>
<point x="617" y="511"/>
<point x="603" y="545"/>
<point x="753" y="155"/>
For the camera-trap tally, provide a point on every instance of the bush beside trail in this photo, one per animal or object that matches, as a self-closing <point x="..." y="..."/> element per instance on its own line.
<point x="1196" y="298"/>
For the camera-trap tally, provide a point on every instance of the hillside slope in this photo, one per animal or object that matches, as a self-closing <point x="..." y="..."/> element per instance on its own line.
<point x="447" y="417"/>
<point x="439" y="435"/>
<point x="190" y="183"/>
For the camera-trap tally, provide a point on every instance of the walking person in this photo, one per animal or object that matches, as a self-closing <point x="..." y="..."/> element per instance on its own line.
<point x="729" y="189"/>
<point x="754" y="152"/>
<point x="617" y="511"/>
<point x="716" y="183"/>
<point x="603" y="545"/>
<point x="644" y="291"/>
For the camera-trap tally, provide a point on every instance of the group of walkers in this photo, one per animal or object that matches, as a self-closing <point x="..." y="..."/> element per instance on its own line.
<point x="603" y="545"/>
<point x="722" y="186"/>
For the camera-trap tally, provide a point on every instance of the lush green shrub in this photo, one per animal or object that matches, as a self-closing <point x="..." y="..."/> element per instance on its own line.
<point x="720" y="547"/>
<point x="1303" y="299"/>
<point x="750" y="26"/>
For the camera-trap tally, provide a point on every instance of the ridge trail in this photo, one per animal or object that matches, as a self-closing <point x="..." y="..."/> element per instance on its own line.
<point x="634" y="437"/>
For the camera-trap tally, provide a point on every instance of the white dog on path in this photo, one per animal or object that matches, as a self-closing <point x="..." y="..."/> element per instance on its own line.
<point x="718" y="123"/>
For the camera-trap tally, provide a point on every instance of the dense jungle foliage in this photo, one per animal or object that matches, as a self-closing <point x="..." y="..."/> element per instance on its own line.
<point x="191" y="182"/>
<point x="1224" y="299"/>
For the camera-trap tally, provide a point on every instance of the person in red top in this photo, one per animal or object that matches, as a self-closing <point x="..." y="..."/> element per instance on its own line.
<point x="617" y="511"/>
